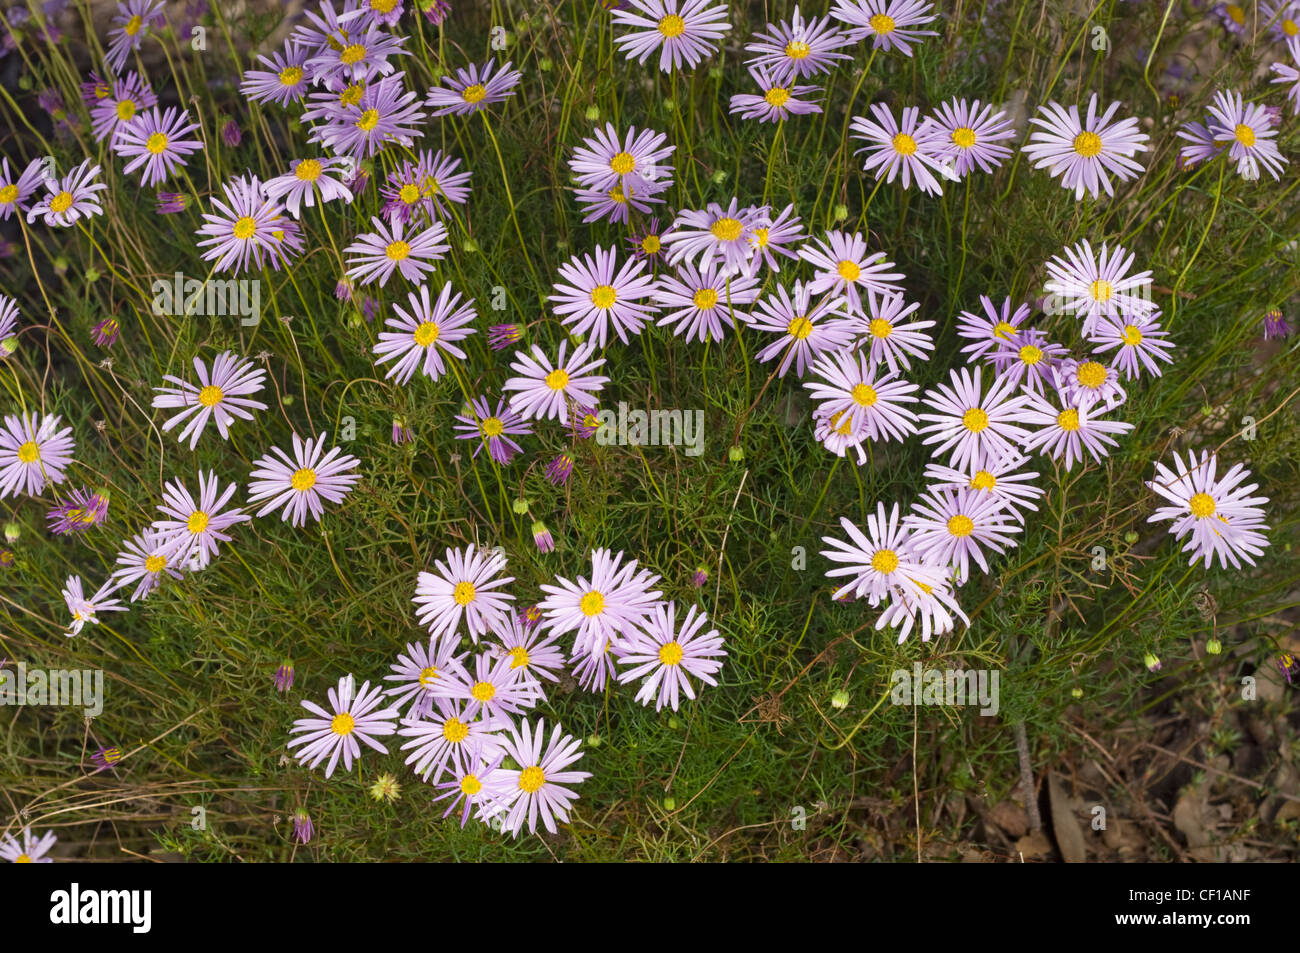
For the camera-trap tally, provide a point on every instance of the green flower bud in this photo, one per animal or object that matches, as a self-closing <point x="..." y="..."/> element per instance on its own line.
<point x="840" y="699"/>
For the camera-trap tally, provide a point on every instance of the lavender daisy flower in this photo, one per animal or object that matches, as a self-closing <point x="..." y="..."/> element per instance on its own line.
<point x="850" y="384"/>
<point x="1283" y="19"/>
<point x="194" y="528"/>
<point x="998" y="477"/>
<point x="303" y="828"/>
<point x="1028" y="358"/>
<point x="1140" y="343"/>
<point x="664" y="657"/>
<point x="881" y="560"/>
<point x="1245" y="129"/>
<point x="1233" y="17"/>
<point x="890" y="23"/>
<point x="285" y="82"/>
<point x="1067" y="430"/>
<point x="542" y="537"/>
<point x="908" y="147"/>
<point x="386" y="112"/>
<point x="144" y="559"/>
<point x="104" y="333"/>
<point x="778" y="99"/>
<point x="356" y="715"/>
<point x="416" y="671"/>
<point x="298" y="484"/>
<point x="389" y="249"/>
<point x="648" y="242"/>
<point x="80" y="511"/>
<point x="381" y="12"/>
<point x="424" y="187"/>
<point x="970" y="424"/>
<point x="33" y="450"/>
<point x="997" y="327"/>
<point x="249" y="227"/>
<point x="86" y="610"/>
<point x="70" y="198"/>
<point x="424" y="333"/>
<point x="935" y="605"/>
<point x="559" y="469"/>
<point x="1083" y="151"/>
<point x="104" y="758"/>
<point x="1218" y="513"/>
<point x="970" y="136"/>
<point x="634" y="161"/>
<point x="493" y="430"/>
<point x="1286" y="73"/>
<point x="532" y="652"/>
<point x="221" y="396"/>
<point x="615" y="203"/>
<point x="540" y="785"/>
<point x="954" y="527"/>
<point x="477" y="783"/>
<point x="494" y="691"/>
<point x="171" y="203"/>
<point x="844" y="267"/>
<point x="501" y="336"/>
<point x="436" y="11"/>
<point x="14" y="192"/>
<point x="1095" y="287"/>
<point x="700" y="237"/>
<point x="799" y="320"/>
<point x="591" y="298"/>
<point x="683" y="31"/>
<point x="1275" y="325"/>
<point x="706" y="301"/>
<point x="305" y="177"/>
<point x="464" y="586"/>
<point x="284" y="678"/>
<point x="360" y="58"/>
<point x="30" y="850"/>
<point x="1203" y="145"/>
<point x="887" y="335"/>
<point x="775" y="238"/>
<point x="447" y="736"/>
<point x="617" y="600"/>
<point x="131" y="24"/>
<point x="95" y="89"/>
<point x="473" y="89"/>
<point x="797" y="49"/>
<point x="155" y="140"/>
<point x="544" y="390"/>
<point x="1090" y="383"/>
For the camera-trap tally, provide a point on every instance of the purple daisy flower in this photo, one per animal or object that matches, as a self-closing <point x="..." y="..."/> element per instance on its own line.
<point x="648" y="242"/>
<point x="995" y="328"/>
<point x="473" y="89"/>
<point x="447" y="736"/>
<point x="144" y="559"/>
<point x="386" y="112"/>
<point x="416" y="671"/>
<point x="909" y="147"/>
<point x="616" y="601"/>
<point x="543" y="390"/>
<point x="492" y="429"/>
<point x="560" y="468"/>
<point x="33" y="450"/>
<point x="683" y="31"/>
<point x="80" y="511"/>
<point x="700" y="237"/>
<point x="844" y="267"/>
<point x="171" y="203"/>
<point x="306" y="177"/>
<point x="705" y="301"/>
<point x="156" y="140"/>
<point x="1218" y="513"/>
<point x="464" y="586"/>
<point x="615" y="203"/>
<point x="14" y="191"/>
<point x="954" y="527"/>
<point x="799" y="320"/>
<point x="542" y="537"/>
<point x="591" y="298"/>
<point x="869" y="404"/>
<point x="1140" y="343"/>
<point x="996" y="476"/>
<point x="194" y="528"/>
<point x="389" y="249"/>
<point x="221" y="396"/>
<point x="1287" y="73"/>
<point x="1028" y="358"/>
<point x="424" y="186"/>
<point x="1245" y="129"/>
<point x="1275" y="325"/>
<point x="632" y="162"/>
<point x="356" y="715"/>
<point x="70" y="198"/>
<point x="299" y="484"/>
<point x="1083" y="150"/>
<point x="131" y="24"/>
<point x="501" y="336"/>
<point x="84" y="609"/>
<point x="285" y="82"/>
<point x="879" y="561"/>
<point x="424" y="333"/>
<point x="303" y="828"/>
<point x="1089" y="383"/>
<point x="358" y="58"/>
<point x="970" y="424"/>
<point x="665" y="656"/>
<point x="777" y="100"/>
<point x="970" y="136"/>
<point x="494" y="691"/>
<point x="1067" y="430"/>
<point x="775" y="238"/>
<point x="284" y="678"/>
<point x="797" y="49"/>
<point x="30" y="850"/>
<point x="477" y="782"/>
<point x="1094" y="287"/>
<point x="889" y="338"/>
<point x="248" y="227"/>
<point x="890" y="23"/>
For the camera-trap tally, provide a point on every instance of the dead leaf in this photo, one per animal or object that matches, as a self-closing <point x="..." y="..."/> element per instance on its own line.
<point x="1011" y="818"/>
<point x="1069" y="835"/>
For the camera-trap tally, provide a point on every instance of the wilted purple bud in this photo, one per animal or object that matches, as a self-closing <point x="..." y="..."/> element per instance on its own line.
<point x="169" y="203"/>
<point x="542" y="537"/>
<point x="700" y="578"/>
<point x="586" y="423"/>
<point x="1275" y="325"/>
<point x="303" y="829"/>
<point x="7" y="249"/>
<point x="105" y="332"/>
<point x="1290" y="667"/>
<point x="401" y="432"/>
<point x="436" y="11"/>
<point x="530" y="616"/>
<point x="231" y="134"/>
<point x="105" y="757"/>
<point x="369" y="307"/>
<point x="343" y="290"/>
<point x="51" y="102"/>
<point x="284" y="677"/>
<point x="558" y="470"/>
<point x="504" y="335"/>
<point x="80" y="511"/>
<point x="1152" y="662"/>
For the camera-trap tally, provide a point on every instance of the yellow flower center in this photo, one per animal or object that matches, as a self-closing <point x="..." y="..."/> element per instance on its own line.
<point x="369" y="119"/>
<point x="427" y="677"/>
<point x="409" y="193"/>
<point x="884" y="561"/>
<point x="960" y="525"/>
<point x="848" y="270"/>
<point x="650" y="244"/>
<point x="846" y="427"/>
<point x="963" y="136"/>
<point x="726" y="229"/>
<point x="29" y="452"/>
<point x="8" y="194"/>
<point x="353" y="53"/>
<point x="1091" y="374"/>
<point x="463" y="593"/>
<point x="61" y="202"/>
<point x="483" y="691"/>
<point x="797" y="49"/>
<point x="155" y="563"/>
<point x="983" y="480"/>
<point x="397" y="250"/>
<point x="616" y="195"/>
<point x="303" y="479"/>
<point x="604" y="296"/>
<point x="864" y="395"/>
<point x="1290" y="27"/>
<point x="518" y="657"/>
<point x="1031" y="355"/>
<point x="1237" y="14"/>
<point x="23" y="859"/>
<point x="799" y="328"/>
<point x="1101" y="290"/>
<point x="882" y="23"/>
<point x="1087" y="144"/>
<point x="777" y="96"/>
<point x="455" y="730"/>
<point x="383" y="6"/>
<point x="426" y="333"/>
<point x="530" y="779"/>
<point x="671" y="653"/>
<point x="705" y="298"/>
<point x="470" y="785"/>
<point x="245" y="227"/>
<point x="474" y="94"/>
<point x="1068" y="419"/>
<point x="904" y="144"/>
<point x="593" y="603"/>
<point x="133" y="25"/>
<point x="672" y="25"/>
<point x="1132" y="335"/>
<point x="308" y="170"/>
<point x="211" y="395"/>
<point x="558" y="379"/>
<point x="623" y="163"/>
<point x="1003" y="330"/>
<point x="197" y="522"/>
<point x="126" y="110"/>
<point x="881" y="328"/>
<point x="492" y="427"/>
<point x="1201" y="505"/>
<point x="1245" y="135"/>
<point x="975" y="420"/>
<point x="351" y="96"/>
<point x="290" y="76"/>
<point x="342" y="724"/>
